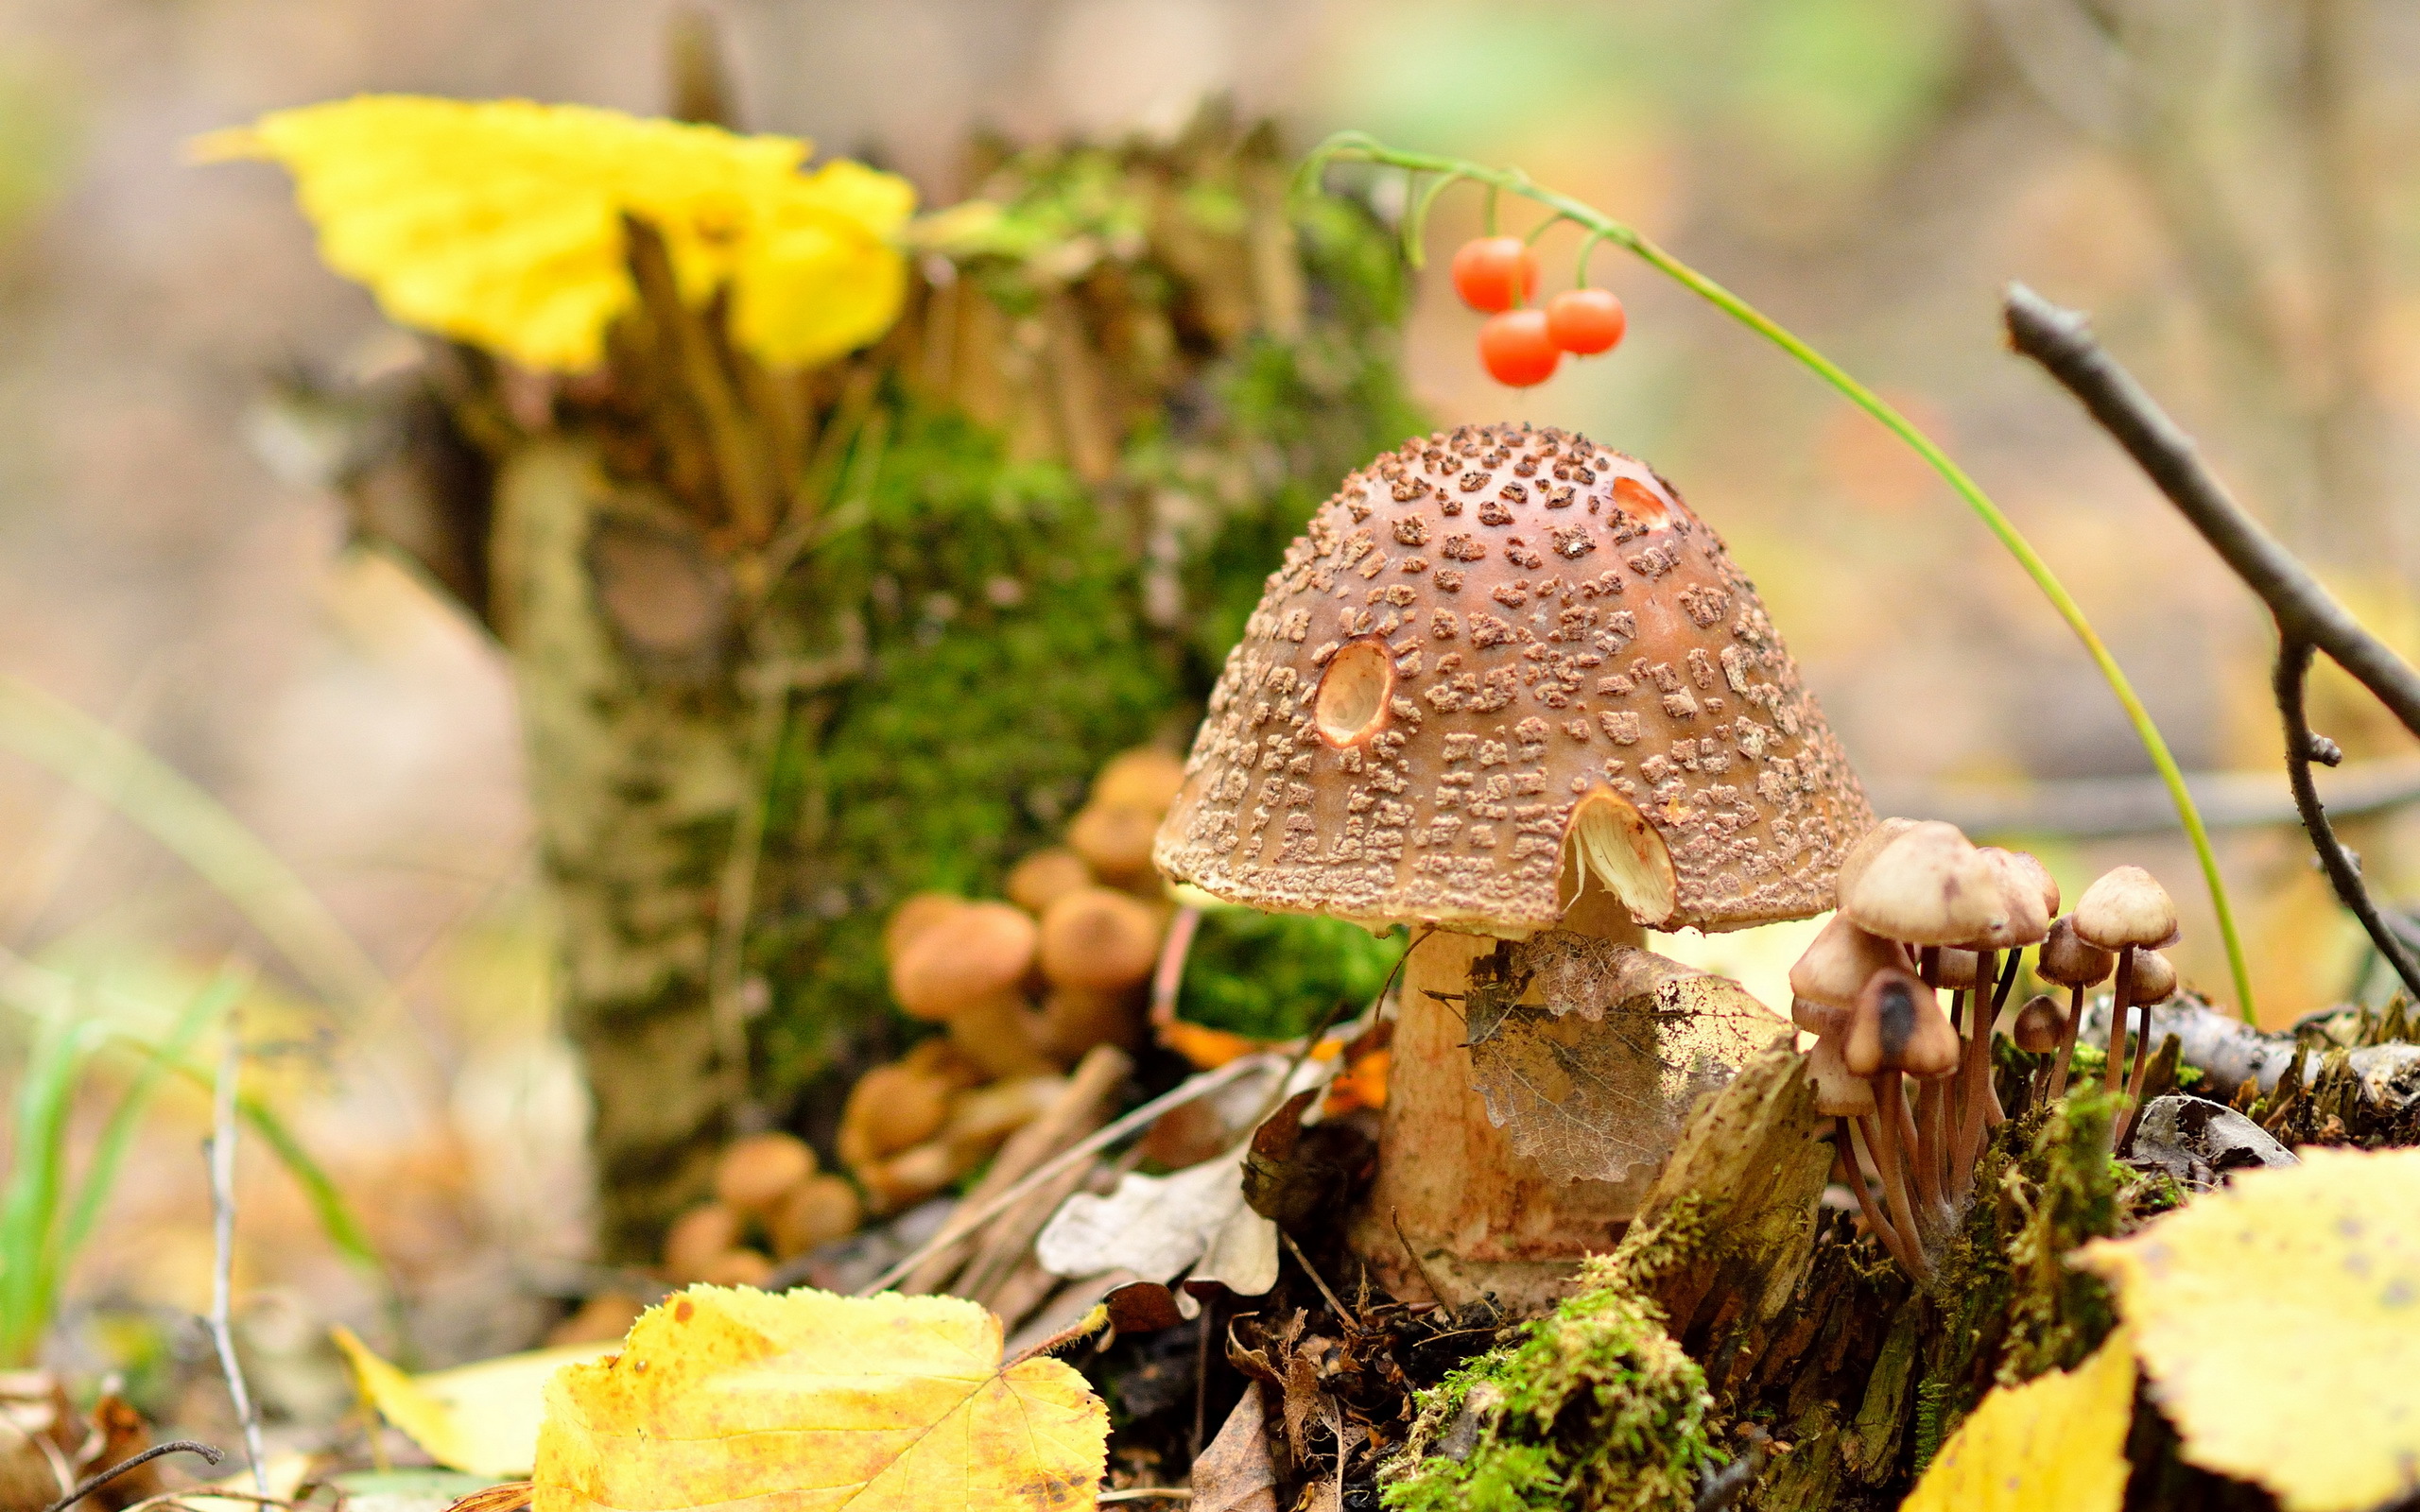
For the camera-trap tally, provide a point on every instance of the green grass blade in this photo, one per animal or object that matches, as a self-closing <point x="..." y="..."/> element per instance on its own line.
<point x="1359" y="146"/>
<point x="117" y="1136"/>
<point x="37" y="1170"/>
<point x="198" y="830"/>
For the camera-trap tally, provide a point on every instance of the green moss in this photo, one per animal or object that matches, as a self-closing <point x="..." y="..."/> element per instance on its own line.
<point x="2057" y="1315"/>
<point x="1593" y="1406"/>
<point x="1272" y="976"/>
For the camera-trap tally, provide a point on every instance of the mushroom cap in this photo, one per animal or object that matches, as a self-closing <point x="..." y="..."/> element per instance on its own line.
<point x="2152" y="979"/>
<point x="1044" y="877"/>
<point x="1955" y="967"/>
<point x="1145" y="778"/>
<point x="1101" y="938"/>
<point x="2027" y="865"/>
<point x="1869" y="844"/>
<point x="1818" y="1017"/>
<point x="816" y="1212"/>
<point x="1114" y="841"/>
<point x="753" y="1172"/>
<point x="2039" y="1024"/>
<point x="1898" y="1026"/>
<point x="2028" y="894"/>
<point x="916" y="913"/>
<point x="1839" y="1092"/>
<point x="1929" y="887"/>
<point x="1477" y="638"/>
<point x="1834" y="966"/>
<point x="985" y="951"/>
<point x="2068" y="960"/>
<point x="2125" y="905"/>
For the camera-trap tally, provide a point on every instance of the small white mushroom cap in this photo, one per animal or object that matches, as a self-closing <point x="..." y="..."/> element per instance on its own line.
<point x="2126" y="906"/>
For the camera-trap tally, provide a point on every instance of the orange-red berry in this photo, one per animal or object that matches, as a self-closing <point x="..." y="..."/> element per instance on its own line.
<point x="1587" y="321"/>
<point x="1516" y="349"/>
<point x="1494" y="272"/>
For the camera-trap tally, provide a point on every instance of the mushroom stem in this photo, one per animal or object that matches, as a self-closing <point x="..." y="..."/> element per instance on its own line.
<point x="1892" y="1110"/>
<point x="1994" y="1114"/>
<point x="2111" y="1074"/>
<point x="2067" y="1044"/>
<point x="1852" y="1175"/>
<point x="1974" y="1074"/>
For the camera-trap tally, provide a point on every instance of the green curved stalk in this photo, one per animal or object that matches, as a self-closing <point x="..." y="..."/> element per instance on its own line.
<point x="1362" y="148"/>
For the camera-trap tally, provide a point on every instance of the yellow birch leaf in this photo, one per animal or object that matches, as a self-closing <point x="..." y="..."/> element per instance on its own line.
<point x="2279" y="1322"/>
<point x="2055" y="1444"/>
<point x="807" y="1400"/>
<point x="479" y="1417"/>
<point x="499" y="222"/>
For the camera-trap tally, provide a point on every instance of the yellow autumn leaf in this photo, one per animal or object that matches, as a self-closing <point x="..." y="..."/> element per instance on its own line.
<point x="809" y="1401"/>
<point x="479" y="1417"/>
<point x="2279" y="1322"/>
<point x="2055" y="1444"/>
<point x="499" y="222"/>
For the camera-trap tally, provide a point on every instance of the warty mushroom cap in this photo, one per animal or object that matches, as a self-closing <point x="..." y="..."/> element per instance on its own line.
<point x="2152" y="979"/>
<point x="2125" y="905"/>
<point x="2068" y="960"/>
<point x="984" y="951"/>
<point x="1485" y="642"/>
<point x="1840" y="1093"/>
<point x="1834" y="966"/>
<point x="1898" y="1026"/>
<point x="2039" y="1024"/>
<point x="1929" y="887"/>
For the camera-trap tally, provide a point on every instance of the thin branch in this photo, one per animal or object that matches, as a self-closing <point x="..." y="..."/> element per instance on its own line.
<point x="99" y="1478"/>
<point x="2307" y="616"/>
<point x="222" y="1211"/>
<point x="2062" y="341"/>
<point x="2293" y="666"/>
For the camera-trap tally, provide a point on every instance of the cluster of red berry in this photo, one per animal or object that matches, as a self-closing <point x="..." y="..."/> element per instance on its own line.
<point x="1521" y="344"/>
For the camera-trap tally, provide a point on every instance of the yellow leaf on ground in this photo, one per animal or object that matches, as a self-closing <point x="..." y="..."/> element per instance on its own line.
<point x="499" y="222"/>
<point x="479" y="1418"/>
<point x="2055" y="1444"/>
<point x="2279" y="1322"/>
<point x="809" y="1401"/>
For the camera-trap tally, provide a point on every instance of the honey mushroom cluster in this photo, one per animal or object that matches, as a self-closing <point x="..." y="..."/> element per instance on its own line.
<point x="1023" y="988"/>
<point x="1922" y="908"/>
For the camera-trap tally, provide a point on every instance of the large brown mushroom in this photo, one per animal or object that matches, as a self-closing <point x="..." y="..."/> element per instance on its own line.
<point x="1505" y="682"/>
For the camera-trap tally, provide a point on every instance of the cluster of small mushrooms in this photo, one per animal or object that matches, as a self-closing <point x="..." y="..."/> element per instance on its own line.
<point x="1921" y="909"/>
<point x="1024" y="987"/>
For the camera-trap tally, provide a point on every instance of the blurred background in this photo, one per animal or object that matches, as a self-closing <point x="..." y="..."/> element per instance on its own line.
<point x="2229" y="186"/>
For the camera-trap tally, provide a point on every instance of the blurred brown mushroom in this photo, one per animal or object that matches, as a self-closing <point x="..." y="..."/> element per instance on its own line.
<point x="753" y="1172"/>
<point x="1075" y="1019"/>
<point x="890" y="1108"/>
<point x="986" y="951"/>
<point x="737" y="1267"/>
<point x="1114" y="842"/>
<point x="697" y="1237"/>
<point x="816" y="1212"/>
<point x="1146" y="778"/>
<point x="1044" y="877"/>
<point x="1099" y="939"/>
<point x="916" y="913"/>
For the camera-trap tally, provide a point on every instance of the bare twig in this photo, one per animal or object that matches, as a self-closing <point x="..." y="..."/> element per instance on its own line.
<point x="2294" y="667"/>
<point x="2309" y="618"/>
<point x="1316" y="1279"/>
<point x="96" y="1481"/>
<point x="222" y="1210"/>
<point x="2062" y="341"/>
